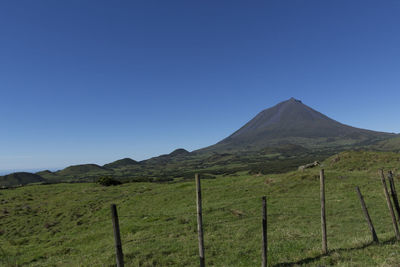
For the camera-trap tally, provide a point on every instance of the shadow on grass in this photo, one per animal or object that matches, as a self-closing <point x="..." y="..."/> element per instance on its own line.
<point x="316" y="258"/>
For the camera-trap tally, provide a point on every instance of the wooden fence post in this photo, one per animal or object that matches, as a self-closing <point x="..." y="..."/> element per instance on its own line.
<point x="323" y="215"/>
<point x="389" y="203"/>
<point x="394" y="194"/>
<point x="200" y="221"/>
<point x="264" y="236"/>
<point x="117" y="236"/>
<point x="367" y="217"/>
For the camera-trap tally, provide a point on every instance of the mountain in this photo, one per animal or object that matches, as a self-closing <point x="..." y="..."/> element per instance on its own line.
<point x="292" y="122"/>
<point x="20" y="178"/>
<point x="121" y="163"/>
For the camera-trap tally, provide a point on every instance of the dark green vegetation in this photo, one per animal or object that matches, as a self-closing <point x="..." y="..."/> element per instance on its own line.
<point x="183" y="165"/>
<point x="392" y="144"/>
<point x="108" y="181"/>
<point x="70" y="224"/>
<point x="121" y="163"/>
<point x="20" y="178"/>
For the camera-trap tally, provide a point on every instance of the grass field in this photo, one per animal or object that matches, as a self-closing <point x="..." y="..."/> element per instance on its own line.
<point x="70" y="224"/>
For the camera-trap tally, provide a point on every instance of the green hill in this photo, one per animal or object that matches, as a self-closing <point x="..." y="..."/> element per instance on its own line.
<point x="83" y="171"/>
<point x="121" y="163"/>
<point x="20" y="178"/>
<point x="392" y="144"/>
<point x="45" y="172"/>
<point x="54" y="225"/>
<point x="364" y="161"/>
<point x="178" y="154"/>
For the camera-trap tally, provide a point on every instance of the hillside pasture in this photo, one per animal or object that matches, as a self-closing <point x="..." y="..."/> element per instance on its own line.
<point x="70" y="224"/>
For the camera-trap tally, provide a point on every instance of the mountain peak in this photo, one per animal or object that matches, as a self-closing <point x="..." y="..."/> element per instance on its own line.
<point x="292" y="99"/>
<point x="291" y="121"/>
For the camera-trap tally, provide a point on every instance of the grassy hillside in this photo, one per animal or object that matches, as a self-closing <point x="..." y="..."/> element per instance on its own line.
<point x="392" y="144"/>
<point x="20" y="178"/>
<point x="70" y="225"/>
<point x="82" y="172"/>
<point x="180" y="164"/>
<point x="121" y="163"/>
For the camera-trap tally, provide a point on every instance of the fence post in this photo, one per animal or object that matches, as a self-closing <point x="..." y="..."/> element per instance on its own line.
<point x="200" y="221"/>
<point x="394" y="194"/>
<point x="389" y="203"/>
<point x="117" y="236"/>
<point x="367" y="217"/>
<point x="264" y="236"/>
<point x="323" y="215"/>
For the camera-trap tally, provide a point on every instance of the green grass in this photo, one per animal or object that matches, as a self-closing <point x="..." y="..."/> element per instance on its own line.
<point x="70" y="224"/>
<point x="392" y="144"/>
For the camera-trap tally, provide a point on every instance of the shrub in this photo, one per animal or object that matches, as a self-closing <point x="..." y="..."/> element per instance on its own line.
<point x="107" y="181"/>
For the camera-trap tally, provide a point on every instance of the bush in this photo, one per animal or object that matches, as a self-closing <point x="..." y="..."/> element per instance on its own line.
<point x="107" y="181"/>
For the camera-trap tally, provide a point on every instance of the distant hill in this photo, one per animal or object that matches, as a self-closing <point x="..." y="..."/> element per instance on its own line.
<point x="293" y="122"/>
<point x="20" y="178"/>
<point x="83" y="169"/>
<point x="177" y="154"/>
<point x="392" y="144"/>
<point x="49" y="176"/>
<point x="121" y="163"/>
<point x="45" y="172"/>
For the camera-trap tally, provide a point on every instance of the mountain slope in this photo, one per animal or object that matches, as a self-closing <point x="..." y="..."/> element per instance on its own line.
<point x="392" y="144"/>
<point x="293" y="122"/>
<point x="20" y="178"/>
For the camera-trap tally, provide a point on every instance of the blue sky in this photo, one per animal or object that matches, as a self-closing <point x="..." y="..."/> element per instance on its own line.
<point x="95" y="81"/>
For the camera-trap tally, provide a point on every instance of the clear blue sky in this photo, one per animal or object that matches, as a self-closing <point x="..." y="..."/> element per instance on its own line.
<point x="95" y="81"/>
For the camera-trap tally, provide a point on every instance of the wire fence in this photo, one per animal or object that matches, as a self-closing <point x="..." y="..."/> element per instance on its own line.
<point x="291" y="219"/>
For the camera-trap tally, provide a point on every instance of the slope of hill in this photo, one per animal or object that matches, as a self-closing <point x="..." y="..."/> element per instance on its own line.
<point x="293" y="122"/>
<point x="45" y="173"/>
<point x="179" y="153"/>
<point x="83" y="170"/>
<point x="20" y="178"/>
<point x="392" y="144"/>
<point x="56" y="224"/>
<point x="121" y="163"/>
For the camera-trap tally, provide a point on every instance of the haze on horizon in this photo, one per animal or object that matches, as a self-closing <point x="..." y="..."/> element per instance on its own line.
<point x="96" y="81"/>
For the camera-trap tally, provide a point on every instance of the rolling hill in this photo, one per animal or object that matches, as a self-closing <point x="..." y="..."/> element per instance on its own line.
<point x="70" y="224"/>
<point x="20" y="178"/>
<point x="121" y="163"/>
<point x="83" y="171"/>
